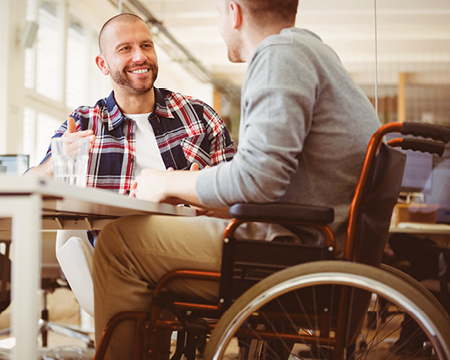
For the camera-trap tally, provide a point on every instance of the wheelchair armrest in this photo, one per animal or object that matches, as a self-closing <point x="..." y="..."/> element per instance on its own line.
<point x="277" y="212"/>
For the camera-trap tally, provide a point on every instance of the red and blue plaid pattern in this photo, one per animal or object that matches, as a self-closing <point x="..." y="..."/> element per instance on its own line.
<point x="187" y="130"/>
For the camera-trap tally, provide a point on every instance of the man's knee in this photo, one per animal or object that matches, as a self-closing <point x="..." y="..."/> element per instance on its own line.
<point x="114" y="233"/>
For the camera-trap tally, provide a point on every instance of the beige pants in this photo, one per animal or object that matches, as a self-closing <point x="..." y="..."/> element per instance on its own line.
<point x="134" y="252"/>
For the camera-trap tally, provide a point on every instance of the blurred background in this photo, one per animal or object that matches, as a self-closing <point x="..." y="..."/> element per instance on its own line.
<point x="397" y="51"/>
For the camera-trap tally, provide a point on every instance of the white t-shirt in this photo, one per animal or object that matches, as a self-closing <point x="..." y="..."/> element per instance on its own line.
<point x="147" y="152"/>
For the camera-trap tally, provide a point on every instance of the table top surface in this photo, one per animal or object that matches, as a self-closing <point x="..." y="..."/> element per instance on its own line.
<point x="66" y="201"/>
<point x="414" y="227"/>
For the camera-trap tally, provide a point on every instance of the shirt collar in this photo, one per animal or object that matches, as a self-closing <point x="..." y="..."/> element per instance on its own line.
<point x="114" y="117"/>
<point x="111" y="114"/>
<point x="161" y="105"/>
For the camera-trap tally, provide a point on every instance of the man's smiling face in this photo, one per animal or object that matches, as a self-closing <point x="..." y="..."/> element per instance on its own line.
<point x="130" y="57"/>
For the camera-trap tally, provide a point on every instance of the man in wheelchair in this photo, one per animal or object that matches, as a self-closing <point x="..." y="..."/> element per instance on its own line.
<point x="305" y="126"/>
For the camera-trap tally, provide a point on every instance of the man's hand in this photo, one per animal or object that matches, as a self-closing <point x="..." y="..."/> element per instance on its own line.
<point x="173" y="187"/>
<point x="46" y="169"/>
<point x="72" y="131"/>
<point x="151" y="185"/>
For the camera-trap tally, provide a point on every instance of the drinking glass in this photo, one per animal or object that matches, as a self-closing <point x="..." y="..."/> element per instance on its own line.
<point x="70" y="160"/>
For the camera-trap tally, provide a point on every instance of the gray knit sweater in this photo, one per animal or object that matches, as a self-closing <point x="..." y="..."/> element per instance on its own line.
<point x="304" y="129"/>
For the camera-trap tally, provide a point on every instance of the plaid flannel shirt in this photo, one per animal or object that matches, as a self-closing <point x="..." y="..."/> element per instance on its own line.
<point x="187" y="130"/>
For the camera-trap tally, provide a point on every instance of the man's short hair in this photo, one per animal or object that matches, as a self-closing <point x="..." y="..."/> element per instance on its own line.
<point x="273" y="9"/>
<point x="125" y="17"/>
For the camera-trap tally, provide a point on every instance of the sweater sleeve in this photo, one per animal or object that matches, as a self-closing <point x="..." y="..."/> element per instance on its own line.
<point x="276" y="115"/>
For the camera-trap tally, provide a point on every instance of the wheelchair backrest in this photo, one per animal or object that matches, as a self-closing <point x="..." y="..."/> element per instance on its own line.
<point x="379" y="184"/>
<point x="378" y="200"/>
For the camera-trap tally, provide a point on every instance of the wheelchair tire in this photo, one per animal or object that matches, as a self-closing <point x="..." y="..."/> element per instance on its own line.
<point x="405" y="277"/>
<point x="396" y="301"/>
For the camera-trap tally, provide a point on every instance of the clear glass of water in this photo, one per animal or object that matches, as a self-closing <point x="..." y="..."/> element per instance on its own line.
<point x="70" y="160"/>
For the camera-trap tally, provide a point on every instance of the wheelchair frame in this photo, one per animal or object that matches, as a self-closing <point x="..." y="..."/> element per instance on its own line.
<point x="149" y="323"/>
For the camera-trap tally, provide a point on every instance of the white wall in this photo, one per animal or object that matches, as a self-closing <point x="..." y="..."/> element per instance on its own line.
<point x="14" y="97"/>
<point x="174" y="77"/>
<point x="12" y="20"/>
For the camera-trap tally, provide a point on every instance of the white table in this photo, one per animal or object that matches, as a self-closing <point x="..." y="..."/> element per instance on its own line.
<point x="421" y="228"/>
<point x="440" y="233"/>
<point x="29" y="205"/>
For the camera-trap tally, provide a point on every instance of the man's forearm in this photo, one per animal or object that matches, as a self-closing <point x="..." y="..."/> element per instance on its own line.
<point x="44" y="170"/>
<point x="177" y="187"/>
<point x="181" y="185"/>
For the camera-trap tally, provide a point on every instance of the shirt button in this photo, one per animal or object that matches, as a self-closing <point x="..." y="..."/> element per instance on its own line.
<point x="128" y="192"/>
<point x="131" y="134"/>
<point x="132" y="159"/>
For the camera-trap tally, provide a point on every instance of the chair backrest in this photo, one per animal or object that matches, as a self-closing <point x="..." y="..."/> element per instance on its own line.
<point x="378" y="188"/>
<point x="74" y="253"/>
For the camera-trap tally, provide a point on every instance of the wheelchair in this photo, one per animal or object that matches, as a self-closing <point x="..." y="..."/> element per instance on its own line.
<point x="296" y="301"/>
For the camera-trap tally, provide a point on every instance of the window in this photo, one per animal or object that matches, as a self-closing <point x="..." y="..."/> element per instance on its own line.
<point x="77" y="67"/>
<point x="46" y="126"/>
<point x="60" y="71"/>
<point x="49" y="59"/>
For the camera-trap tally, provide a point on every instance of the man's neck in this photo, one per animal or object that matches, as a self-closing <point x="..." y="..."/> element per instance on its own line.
<point x="136" y="103"/>
<point x="255" y="35"/>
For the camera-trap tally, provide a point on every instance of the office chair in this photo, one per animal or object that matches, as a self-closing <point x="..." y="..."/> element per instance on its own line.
<point x="282" y="300"/>
<point x="74" y="253"/>
<point x="52" y="278"/>
<point x="426" y="262"/>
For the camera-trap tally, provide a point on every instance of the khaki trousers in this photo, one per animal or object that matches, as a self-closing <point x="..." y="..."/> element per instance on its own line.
<point x="134" y="252"/>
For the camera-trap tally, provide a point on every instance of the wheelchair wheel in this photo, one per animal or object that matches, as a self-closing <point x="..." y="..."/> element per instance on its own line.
<point x="405" y="277"/>
<point x="295" y="314"/>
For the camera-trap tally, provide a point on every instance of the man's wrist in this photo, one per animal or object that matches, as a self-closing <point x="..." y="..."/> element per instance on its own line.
<point x="48" y="167"/>
<point x="181" y="185"/>
<point x="44" y="170"/>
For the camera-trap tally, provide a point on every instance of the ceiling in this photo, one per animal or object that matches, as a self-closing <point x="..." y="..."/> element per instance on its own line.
<point x="412" y="35"/>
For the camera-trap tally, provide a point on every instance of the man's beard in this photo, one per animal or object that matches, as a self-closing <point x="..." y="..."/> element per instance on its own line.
<point x="121" y="78"/>
<point x="234" y="54"/>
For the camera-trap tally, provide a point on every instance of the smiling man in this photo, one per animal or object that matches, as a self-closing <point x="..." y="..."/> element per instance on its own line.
<point x="133" y="72"/>
<point x="140" y="126"/>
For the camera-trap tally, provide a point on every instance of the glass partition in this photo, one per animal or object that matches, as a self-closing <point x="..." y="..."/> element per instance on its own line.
<point x="397" y="51"/>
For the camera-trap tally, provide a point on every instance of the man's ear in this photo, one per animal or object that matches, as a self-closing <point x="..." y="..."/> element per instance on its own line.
<point x="236" y="15"/>
<point x="101" y="63"/>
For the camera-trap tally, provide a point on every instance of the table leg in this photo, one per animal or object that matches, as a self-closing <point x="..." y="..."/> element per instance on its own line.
<point x="25" y="212"/>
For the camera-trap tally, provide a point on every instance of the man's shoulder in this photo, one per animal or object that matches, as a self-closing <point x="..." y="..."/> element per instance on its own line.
<point x="285" y="40"/>
<point x="293" y="43"/>
<point x="177" y="99"/>
<point x="99" y="110"/>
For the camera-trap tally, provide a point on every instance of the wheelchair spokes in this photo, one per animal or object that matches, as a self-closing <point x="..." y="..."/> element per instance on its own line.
<point x="284" y="324"/>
